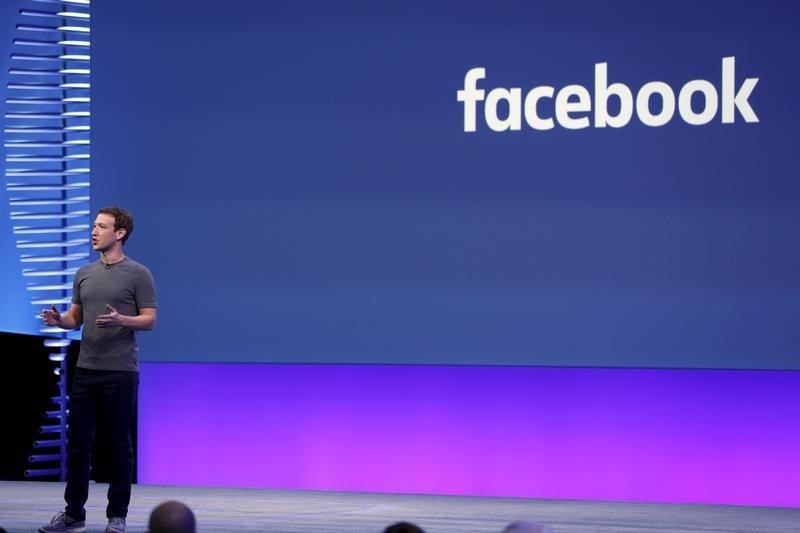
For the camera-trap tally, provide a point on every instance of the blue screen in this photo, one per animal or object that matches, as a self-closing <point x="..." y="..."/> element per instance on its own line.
<point x="308" y="187"/>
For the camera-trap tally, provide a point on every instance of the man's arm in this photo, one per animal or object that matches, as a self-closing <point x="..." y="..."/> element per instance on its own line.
<point x="71" y="319"/>
<point x="146" y="319"/>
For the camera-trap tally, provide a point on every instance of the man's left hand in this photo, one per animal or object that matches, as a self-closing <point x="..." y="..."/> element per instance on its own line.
<point x="111" y="320"/>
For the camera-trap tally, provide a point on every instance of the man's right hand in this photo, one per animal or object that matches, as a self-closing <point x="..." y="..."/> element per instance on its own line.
<point x="51" y="316"/>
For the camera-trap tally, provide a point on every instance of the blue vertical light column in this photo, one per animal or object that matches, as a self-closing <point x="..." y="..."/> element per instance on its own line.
<point x="47" y="139"/>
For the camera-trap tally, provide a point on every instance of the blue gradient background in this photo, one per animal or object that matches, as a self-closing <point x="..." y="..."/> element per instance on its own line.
<point x="16" y="313"/>
<point x="305" y="192"/>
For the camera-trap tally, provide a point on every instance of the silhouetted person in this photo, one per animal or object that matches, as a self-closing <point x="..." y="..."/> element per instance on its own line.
<point x="171" y="517"/>
<point x="527" y="527"/>
<point x="403" y="527"/>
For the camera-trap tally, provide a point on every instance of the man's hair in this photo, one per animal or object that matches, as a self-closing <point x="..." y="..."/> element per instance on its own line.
<point x="122" y="220"/>
<point x="172" y="517"/>
<point x="403" y="527"/>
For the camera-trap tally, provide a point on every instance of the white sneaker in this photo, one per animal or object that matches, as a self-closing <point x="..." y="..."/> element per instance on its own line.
<point x="116" y="524"/>
<point x="61" y="523"/>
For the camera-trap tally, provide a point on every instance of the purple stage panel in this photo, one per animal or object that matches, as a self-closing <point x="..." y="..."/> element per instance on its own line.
<point x="700" y="436"/>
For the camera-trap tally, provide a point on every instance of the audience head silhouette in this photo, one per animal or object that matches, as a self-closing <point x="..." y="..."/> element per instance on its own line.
<point x="172" y="517"/>
<point x="527" y="527"/>
<point x="403" y="527"/>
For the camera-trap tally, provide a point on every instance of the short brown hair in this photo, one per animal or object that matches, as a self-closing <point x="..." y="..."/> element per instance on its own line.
<point x="122" y="220"/>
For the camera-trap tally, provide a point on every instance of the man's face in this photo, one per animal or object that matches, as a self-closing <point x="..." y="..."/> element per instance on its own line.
<point x="103" y="234"/>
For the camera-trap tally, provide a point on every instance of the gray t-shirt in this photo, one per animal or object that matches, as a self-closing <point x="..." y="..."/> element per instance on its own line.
<point x="126" y="286"/>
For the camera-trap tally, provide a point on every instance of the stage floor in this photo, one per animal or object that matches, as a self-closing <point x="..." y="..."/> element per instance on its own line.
<point x="26" y="505"/>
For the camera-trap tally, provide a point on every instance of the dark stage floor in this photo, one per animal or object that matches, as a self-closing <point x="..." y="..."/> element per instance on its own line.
<point x="26" y="505"/>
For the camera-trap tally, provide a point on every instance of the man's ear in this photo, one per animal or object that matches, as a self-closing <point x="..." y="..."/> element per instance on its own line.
<point x="121" y="233"/>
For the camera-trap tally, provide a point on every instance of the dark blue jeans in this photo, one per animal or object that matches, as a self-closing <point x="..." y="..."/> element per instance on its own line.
<point x="107" y="397"/>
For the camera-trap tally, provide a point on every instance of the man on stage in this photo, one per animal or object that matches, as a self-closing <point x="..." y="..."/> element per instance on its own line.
<point x="112" y="298"/>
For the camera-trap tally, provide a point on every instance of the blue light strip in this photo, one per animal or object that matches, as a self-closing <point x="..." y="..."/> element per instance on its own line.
<point x="47" y="175"/>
